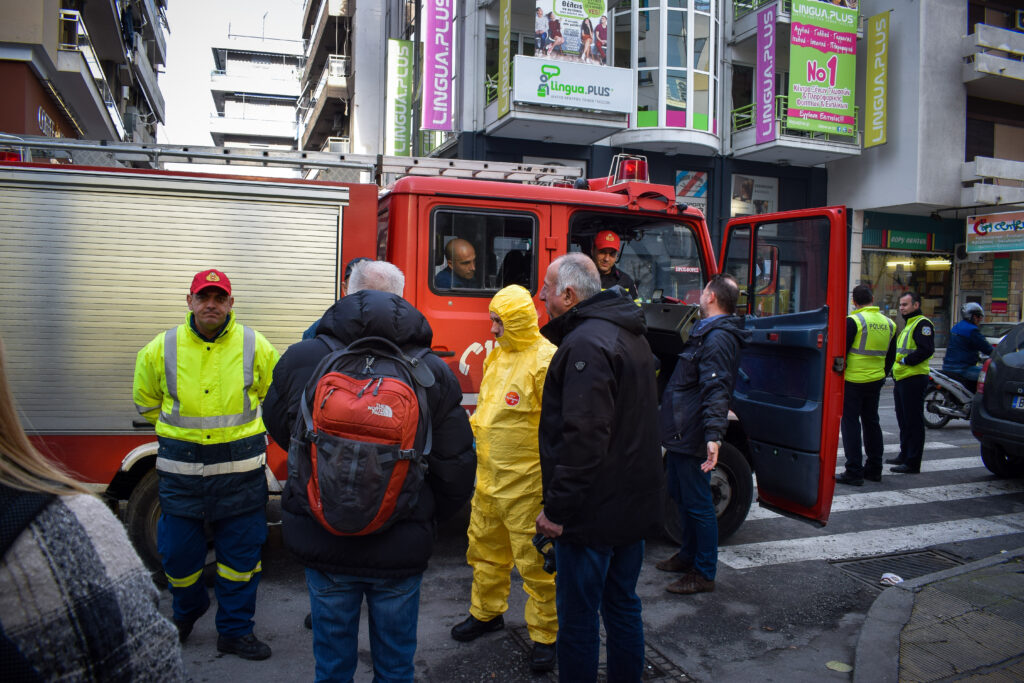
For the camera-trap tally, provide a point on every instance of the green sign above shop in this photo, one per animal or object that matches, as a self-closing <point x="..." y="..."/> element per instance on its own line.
<point x="912" y="241"/>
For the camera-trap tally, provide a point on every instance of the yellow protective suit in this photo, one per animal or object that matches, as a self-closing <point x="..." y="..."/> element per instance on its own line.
<point x="508" y="485"/>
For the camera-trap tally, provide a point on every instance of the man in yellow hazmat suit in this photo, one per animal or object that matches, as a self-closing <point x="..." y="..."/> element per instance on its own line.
<point x="508" y="485"/>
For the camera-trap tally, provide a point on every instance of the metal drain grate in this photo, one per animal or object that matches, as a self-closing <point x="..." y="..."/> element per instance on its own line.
<point x="657" y="666"/>
<point x="905" y="565"/>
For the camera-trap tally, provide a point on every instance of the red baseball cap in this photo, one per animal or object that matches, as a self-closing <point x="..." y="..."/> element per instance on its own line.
<point x="606" y="239"/>
<point x="210" y="278"/>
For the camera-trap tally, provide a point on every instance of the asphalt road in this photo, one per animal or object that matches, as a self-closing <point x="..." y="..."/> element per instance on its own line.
<point x="789" y="602"/>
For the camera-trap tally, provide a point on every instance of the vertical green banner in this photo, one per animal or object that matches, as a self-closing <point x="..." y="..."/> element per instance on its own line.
<point x="504" y="55"/>
<point x="877" y="81"/>
<point x="398" y="106"/>
<point x="1000" y="284"/>
<point x="823" y="68"/>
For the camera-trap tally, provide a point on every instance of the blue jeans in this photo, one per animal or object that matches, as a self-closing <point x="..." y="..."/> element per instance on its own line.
<point x="690" y="488"/>
<point x="393" y="607"/>
<point x="591" y="581"/>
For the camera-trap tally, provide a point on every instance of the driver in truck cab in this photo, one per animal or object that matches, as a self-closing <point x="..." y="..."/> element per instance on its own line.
<point x="201" y="383"/>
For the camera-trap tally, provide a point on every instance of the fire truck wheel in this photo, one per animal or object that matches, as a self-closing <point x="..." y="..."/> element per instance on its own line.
<point x="732" y="490"/>
<point x="141" y="518"/>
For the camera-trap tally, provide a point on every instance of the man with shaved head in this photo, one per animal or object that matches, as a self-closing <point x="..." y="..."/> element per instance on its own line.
<point x="460" y="270"/>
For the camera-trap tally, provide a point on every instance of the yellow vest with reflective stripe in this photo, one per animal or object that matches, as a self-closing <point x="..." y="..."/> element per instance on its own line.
<point x="865" y="361"/>
<point x="205" y="392"/>
<point x="905" y="345"/>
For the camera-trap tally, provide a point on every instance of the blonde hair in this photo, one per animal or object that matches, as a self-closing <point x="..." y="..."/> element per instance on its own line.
<point x="22" y="466"/>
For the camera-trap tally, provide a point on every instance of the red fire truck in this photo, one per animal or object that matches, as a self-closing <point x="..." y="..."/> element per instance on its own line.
<point x="95" y="261"/>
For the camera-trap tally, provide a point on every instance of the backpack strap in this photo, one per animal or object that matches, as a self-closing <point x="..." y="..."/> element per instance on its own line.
<point x="17" y="510"/>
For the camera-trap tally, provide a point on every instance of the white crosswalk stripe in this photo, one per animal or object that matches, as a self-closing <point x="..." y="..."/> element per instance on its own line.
<point x="929" y="494"/>
<point x="895" y="448"/>
<point x="876" y="542"/>
<point x="943" y="465"/>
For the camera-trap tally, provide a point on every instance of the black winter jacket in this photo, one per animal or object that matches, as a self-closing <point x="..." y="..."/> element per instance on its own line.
<point x="600" y="460"/>
<point x="695" y="407"/>
<point x="403" y="549"/>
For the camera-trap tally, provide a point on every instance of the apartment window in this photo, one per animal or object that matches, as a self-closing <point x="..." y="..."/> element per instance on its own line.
<point x="497" y="249"/>
<point x="521" y="44"/>
<point x="675" y="61"/>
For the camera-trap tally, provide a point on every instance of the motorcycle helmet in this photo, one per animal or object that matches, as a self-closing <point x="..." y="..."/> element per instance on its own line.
<point x="971" y="309"/>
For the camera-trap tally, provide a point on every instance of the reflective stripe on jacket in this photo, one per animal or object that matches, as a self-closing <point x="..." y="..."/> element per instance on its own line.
<point x="865" y="361"/>
<point x="205" y="392"/>
<point x="906" y="345"/>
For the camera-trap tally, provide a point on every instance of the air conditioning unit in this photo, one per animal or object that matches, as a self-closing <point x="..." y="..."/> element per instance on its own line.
<point x="961" y="255"/>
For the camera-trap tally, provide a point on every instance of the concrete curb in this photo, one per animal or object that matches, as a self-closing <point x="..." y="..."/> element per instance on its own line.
<point x="878" y="648"/>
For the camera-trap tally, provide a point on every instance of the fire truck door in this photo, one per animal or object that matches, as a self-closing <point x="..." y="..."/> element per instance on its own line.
<point x="792" y="272"/>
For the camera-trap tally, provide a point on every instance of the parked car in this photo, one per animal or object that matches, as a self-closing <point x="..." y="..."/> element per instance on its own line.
<point x="997" y="416"/>
<point x="994" y="332"/>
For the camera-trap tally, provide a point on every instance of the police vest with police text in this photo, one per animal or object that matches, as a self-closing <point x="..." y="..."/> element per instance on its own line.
<point x="905" y="345"/>
<point x="865" y="361"/>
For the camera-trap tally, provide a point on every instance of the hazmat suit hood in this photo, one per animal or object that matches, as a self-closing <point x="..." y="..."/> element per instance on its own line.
<point x="514" y="306"/>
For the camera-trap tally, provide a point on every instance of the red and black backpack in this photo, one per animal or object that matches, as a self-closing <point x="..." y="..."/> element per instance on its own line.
<point x="358" y="453"/>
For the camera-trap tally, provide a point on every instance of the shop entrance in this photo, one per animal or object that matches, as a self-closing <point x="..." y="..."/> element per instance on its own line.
<point x="892" y="273"/>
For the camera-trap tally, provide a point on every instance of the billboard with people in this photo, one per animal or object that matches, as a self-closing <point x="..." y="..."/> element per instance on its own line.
<point x="572" y="30"/>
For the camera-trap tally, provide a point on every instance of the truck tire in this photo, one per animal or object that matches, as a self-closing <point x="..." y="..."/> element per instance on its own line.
<point x="933" y="398"/>
<point x="141" y="520"/>
<point x="999" y="463"/>
<point x="732" y="490"/>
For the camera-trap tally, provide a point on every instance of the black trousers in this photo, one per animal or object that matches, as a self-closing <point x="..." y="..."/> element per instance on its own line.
<point x="860" y="412"/>
<point x="908" y="394"/>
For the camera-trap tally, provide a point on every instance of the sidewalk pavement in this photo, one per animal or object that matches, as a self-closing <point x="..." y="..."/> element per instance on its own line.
<point x="965" y="623"/>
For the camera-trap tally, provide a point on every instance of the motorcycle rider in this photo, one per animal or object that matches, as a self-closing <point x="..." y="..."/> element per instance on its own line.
<point x="966" y="343"/>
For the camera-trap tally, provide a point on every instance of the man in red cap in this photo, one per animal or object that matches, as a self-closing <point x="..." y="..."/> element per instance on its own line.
<point x="607" y="246"/>
<point x="201" y="383"/>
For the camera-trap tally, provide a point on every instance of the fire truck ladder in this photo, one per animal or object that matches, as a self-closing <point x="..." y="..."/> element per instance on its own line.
<point x="92" y="152"/>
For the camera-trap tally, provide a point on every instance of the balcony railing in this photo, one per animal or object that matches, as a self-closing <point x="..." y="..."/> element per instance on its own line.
<point x="743" y="118"/>
<point x="75" y="38"/>
<point x="741" y="8"/>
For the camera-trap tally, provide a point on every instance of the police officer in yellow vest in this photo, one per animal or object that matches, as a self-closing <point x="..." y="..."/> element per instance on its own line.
<point x="911" y="351"/>
<point x="202" y="384"/>
<point x="868" y="335"/>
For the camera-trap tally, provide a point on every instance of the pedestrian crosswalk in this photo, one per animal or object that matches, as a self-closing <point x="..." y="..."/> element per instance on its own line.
<point x="953" y="486"/>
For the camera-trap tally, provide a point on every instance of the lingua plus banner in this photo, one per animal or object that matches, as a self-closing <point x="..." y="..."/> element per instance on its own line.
<point x="823" y="68"/>
<point x="877" y="80"/>
<point x="398" y="106"/>
<point x="438" y="64"/>
<point x="764" y="106"/>
<point x="571" y="84"/>
<point x="573" y="30"/>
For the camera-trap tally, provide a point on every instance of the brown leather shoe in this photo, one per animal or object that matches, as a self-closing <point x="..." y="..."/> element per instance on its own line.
<point x="675" y="564"/>
<point x="690" y="584"/>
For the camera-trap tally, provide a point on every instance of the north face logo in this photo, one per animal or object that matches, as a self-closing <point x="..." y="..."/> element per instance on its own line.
<point x="381" y="410"/>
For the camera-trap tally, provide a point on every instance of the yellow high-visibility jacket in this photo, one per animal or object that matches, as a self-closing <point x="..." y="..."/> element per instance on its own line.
<point x="205" y="392"/>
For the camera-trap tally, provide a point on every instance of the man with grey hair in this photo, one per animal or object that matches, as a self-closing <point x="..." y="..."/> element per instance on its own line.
<point x="600" y="464"/>
<point x="379" y="275"/>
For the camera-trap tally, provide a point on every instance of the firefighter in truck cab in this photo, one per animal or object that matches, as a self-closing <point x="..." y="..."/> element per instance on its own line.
<point x="606" y="251"/>
<point x="201" y="384"/>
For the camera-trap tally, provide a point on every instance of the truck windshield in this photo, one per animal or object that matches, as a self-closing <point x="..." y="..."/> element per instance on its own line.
<point x="662" y="256"/>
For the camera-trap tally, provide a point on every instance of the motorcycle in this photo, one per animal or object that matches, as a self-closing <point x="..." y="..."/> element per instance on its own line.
<point x="944" y="400"/>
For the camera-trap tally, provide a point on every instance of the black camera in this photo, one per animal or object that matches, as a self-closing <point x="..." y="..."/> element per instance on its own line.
<point x="545" y="546"/>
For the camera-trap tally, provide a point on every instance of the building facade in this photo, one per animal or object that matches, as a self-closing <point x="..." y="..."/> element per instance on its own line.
<point x="82" y="69"/>
<point x="954" y="155"/>
<point x="255" y="87"/>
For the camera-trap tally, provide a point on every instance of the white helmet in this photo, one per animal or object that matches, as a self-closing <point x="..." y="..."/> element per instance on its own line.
<point x="971" y="309"/>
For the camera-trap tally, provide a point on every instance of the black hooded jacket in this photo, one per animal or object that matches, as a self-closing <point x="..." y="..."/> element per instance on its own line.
<point x="403" y="549"/>
<point x="599" y="454"/>
<point x="695" y="407"/>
